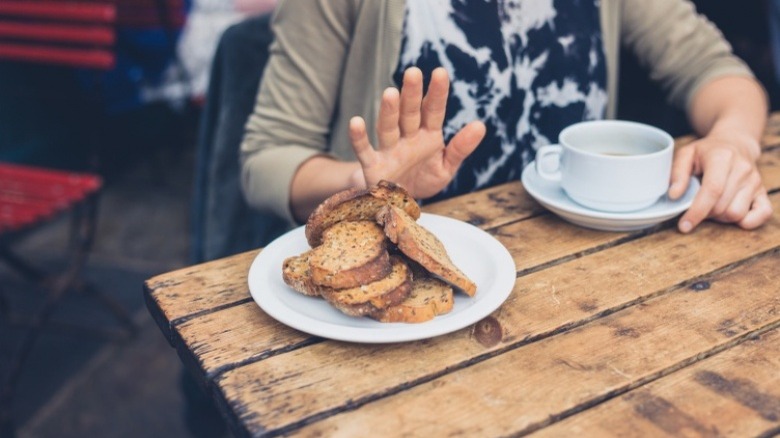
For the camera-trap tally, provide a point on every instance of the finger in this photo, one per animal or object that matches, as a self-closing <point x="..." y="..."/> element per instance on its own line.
<point x="740" y="190"/>
<point x="712" y="187"/>
<point x="682" y="169"/>
<point x="434" y="105"/>
<point x="760" y="212"/>
<point x="360" y="144"/>
<point x="463" y="144"/>
<point x="387" y="124"/>
<point x="737" y="208"/>
<point x="411" y="100"/>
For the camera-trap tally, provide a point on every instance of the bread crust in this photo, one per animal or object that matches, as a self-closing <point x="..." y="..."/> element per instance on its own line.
<point x="296" y="274"/>
<point x="429" y="298"/>
<point x="351" y="254"/>
<point x="370" y="298"/>
<point x="353" y="265"/>
<point x="334" y="209"/>
<point x="422" y="246"/>
<point x="357" y="205"/>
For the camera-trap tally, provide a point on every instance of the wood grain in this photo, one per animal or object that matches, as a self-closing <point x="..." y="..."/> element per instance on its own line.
<point x="239" y="334"/>
<point x="491" y="207"/>
<point x="599" y="325"/>
<point x="769" y="167"/>
<point x="734" y="393"/>
<point x="542" y="302"/>
<point x="189" y="291"/>
<point x="525" y="388"/>
<point x="771" y="136"/>
<point x="180" y="294"/>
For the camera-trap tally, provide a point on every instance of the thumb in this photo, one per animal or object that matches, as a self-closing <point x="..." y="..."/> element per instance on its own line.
<point x="682" y="169"/>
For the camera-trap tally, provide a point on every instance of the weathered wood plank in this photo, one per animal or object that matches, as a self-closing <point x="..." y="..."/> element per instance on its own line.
<point x="772" y="131"/>
<point x="525" y="388"/>
<point x="225" y="339"/>
<point x="532" y="243"/>
<point x="769" y="167"/>
<point x="536" y="242"/>
<point x="214" y="285"/>
<point x="210" y="292"/>
<point x="491" y="207"/>
<point x="734" y="393"/>
<point x="541" y="303"/>
<point x="195" y="289"/>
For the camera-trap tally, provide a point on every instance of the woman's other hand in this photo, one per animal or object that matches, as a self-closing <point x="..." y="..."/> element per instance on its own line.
<point x="731" y="190"/>
<point x="411" y="149"/>
<point x="730" y="114"/>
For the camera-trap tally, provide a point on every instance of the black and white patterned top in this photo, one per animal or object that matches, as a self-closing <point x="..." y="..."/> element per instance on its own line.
<point x="526" y="68"/>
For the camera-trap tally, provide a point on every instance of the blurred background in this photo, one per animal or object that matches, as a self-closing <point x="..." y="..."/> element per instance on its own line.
<point x="141" y="126"/>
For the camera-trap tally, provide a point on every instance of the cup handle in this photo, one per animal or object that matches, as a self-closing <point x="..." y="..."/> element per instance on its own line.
<point x="545" y="156"/>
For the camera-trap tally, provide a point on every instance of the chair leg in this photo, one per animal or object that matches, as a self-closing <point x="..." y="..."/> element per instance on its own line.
<point x="82" y="236"/>
<point x="82" y="233"/>
<point x="15" y="368"/>
<point x="28" y="271"/>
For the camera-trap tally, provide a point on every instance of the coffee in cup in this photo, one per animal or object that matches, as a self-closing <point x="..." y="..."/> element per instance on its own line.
<point x="609" y="165"/>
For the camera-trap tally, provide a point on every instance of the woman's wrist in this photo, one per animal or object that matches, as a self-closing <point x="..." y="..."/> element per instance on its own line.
<point x="318" y="178"/>
<point x="748" y="143"/>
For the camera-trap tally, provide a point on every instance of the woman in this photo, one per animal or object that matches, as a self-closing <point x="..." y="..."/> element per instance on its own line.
<point x="519" y="71"/>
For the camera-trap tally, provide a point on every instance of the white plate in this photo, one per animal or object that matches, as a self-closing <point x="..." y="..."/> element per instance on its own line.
<point x="551" y="196"/>
<point x="480" y="256"/>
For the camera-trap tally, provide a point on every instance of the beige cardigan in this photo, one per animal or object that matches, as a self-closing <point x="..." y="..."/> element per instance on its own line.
<point x="332" y="58"/>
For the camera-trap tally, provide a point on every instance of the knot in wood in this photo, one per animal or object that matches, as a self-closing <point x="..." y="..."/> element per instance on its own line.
<point x="476" y="220"/>
<point x="488" y="332"/>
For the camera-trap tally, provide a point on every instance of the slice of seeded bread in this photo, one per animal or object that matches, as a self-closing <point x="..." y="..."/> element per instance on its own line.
<point x="429" y="298"/>
<point x="351" y="254"/>
<point x="372" y="297"/>
<point x="357" y="205"/>
<point x="422" y="246"/>
<point x="296" y="273"/>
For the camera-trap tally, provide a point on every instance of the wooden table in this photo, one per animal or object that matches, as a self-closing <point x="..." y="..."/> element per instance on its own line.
<point x="630" y="334"/>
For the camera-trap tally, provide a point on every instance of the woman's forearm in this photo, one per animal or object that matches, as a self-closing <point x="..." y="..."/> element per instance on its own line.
<point x="730" y="114"/>
<point x="317" y="179"/>
<point x="731" y="106"/>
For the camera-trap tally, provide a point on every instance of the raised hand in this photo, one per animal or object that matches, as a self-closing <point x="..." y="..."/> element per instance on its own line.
<point x="411" y="149"/>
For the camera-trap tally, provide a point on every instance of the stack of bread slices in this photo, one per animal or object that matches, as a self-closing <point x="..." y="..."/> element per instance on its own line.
<point x="370" y="257"/>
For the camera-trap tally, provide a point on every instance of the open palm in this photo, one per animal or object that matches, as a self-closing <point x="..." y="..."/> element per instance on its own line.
<point x="411" y="149"/>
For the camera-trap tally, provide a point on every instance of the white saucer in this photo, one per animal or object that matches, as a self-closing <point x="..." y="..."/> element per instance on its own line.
<point x="551" y="196"/>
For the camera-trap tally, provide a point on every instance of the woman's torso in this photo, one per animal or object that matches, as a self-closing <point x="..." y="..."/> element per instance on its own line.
<point x="527" y="69"/>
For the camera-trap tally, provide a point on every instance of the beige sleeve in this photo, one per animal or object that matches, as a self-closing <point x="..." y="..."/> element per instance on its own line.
<point x="681" y="49"/>
<point x="292" y="116"/>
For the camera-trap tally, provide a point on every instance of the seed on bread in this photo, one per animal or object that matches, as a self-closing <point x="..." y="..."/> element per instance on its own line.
<point x="366" y="299"/>
<point x="354" y="266"/>
<point x="296" y="273"/>
<point x="357" y="205"/>
<point x="422" y="246"/>
<point x="429" y="298"/>
<point x="351" y="254"/>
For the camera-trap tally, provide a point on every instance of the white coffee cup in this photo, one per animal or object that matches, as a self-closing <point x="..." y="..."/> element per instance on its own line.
<point x="609" y="165"/>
